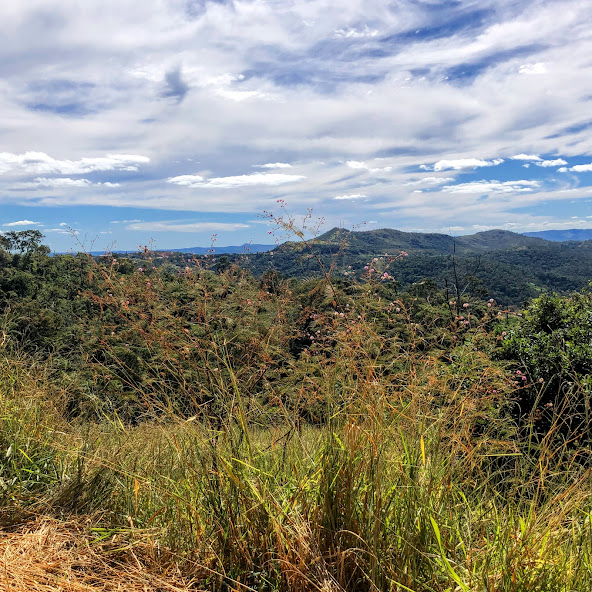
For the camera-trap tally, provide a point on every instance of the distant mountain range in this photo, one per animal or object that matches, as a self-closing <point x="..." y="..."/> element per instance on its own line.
<point x="230" y="250"/>
<point x="577" y="234"/>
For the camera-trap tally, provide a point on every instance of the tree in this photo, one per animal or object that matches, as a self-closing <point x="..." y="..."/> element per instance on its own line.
<point x="23" y="241"/>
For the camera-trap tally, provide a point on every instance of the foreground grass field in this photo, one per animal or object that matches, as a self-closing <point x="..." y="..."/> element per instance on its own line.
<point x="415" y="480"/>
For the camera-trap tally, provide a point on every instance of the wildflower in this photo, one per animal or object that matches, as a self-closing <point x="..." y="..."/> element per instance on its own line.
<point x="518" y="372"/>
<point x="140" y="269"/>
<point x="148" y="284"/>
<point x="466" y="305"/>
<point x="249" y="302"/>
<point x="504" y="333"/>
<point x="524" y="378"/>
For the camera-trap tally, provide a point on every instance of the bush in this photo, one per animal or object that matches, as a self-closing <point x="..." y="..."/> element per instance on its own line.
<point x="552" y="348"/>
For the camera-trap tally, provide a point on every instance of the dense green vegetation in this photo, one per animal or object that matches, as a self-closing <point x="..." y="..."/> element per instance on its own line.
<point x="509" y="267"/>
<point x="264" y="432"/>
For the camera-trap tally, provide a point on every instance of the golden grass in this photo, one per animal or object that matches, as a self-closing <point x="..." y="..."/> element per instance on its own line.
<point x="48" y="555"/>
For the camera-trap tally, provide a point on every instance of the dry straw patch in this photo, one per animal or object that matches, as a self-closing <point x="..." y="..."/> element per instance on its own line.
<point x="47" y="555"/>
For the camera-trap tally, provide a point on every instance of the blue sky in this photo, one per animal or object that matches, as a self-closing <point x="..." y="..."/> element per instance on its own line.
<point x="165" y="122"/>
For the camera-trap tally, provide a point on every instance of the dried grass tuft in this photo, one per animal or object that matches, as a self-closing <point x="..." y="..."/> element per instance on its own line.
<point x="47" y="555"/>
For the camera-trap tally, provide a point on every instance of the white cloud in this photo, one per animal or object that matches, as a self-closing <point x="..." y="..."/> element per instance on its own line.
<point x="350" y="196"/>
<point x="551" y="163"/>
<point x="525" y="157"/>
<point x="23" y="223"/>
<point x="238" y="96"/>
<point x="580" y="168"/>
<point x="355" y="164"/>
<point x="352" y="33"/>
<point x="41" y="163"/>
<point x="61" y="183"/>
<point x="538" y="68"/>
<point x="186" y="180"/>
<point x="273" y="165"/>
<point x="235" y="181"/>
<point x="43" y="182"/>
<point x="431" y="181"/>
<point x="186" y="226"/>
<point x="465" y="163"/>
<point x="482" y="187"/>
<point x="62" y="230"/>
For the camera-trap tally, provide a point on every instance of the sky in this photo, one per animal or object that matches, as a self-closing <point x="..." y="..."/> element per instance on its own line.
<point x="178" y="123"/>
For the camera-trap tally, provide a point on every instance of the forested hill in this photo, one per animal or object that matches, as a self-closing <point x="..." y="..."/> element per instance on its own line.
<point x="392" y="241"/>
<point x="507" y="266"/>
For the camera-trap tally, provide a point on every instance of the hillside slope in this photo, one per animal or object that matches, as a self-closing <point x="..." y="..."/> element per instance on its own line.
<point x="507" y="266"/>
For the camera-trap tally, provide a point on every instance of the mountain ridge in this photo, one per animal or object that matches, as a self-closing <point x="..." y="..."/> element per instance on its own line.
<point x="571" y="234"/>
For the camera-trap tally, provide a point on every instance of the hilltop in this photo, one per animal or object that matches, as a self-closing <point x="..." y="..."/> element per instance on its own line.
<point x="390" y="240"/>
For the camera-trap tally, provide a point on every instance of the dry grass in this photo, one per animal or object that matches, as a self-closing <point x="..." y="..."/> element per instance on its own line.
<point x="47" y="555"/>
